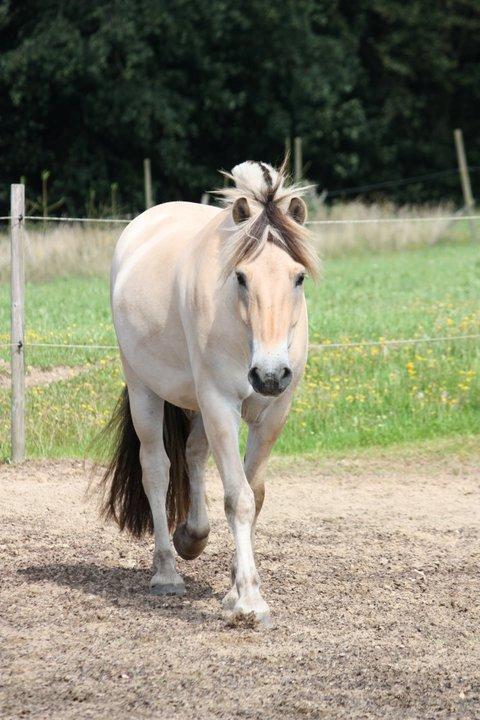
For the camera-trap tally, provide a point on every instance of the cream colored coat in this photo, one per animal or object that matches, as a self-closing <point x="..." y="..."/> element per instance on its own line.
<point x="191" y="337"/>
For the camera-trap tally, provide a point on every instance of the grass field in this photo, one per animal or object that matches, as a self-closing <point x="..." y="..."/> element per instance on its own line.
<point x="350" y="397"/>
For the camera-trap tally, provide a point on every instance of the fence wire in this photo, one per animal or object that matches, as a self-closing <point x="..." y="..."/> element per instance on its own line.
<point x="399" y="182"/>
<point x="360" y="221"/>
<point x="349" y="221"/>
<point x="85" y="346"/>
<point x="78" y="219"/>
<point x="313" y="347"/>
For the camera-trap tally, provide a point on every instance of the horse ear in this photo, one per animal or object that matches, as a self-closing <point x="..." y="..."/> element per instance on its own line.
<point x="240" y="210"/>
<point x="297" y="210"/>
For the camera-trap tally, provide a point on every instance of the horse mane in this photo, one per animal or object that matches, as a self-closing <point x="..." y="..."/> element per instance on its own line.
<point x="268" y="195"/>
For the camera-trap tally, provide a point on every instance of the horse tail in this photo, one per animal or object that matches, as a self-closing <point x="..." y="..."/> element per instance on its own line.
<point x="176" y="429"/>
<point x="125" y="500"/>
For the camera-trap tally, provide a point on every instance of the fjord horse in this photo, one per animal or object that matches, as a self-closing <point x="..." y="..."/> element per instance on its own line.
<point x="211" y="321"/>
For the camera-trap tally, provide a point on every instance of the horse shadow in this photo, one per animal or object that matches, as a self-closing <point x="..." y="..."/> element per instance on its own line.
<point x="120" y="586"/>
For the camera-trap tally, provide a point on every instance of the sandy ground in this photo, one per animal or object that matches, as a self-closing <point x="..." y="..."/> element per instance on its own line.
<point x="371" y="568"/>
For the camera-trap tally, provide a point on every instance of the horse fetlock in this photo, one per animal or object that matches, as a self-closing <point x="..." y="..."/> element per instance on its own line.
<point x="252" y="602"/>
<point x="163" y="559"/>
<point x="167" y="583"/>
<point x="190" y="542"/>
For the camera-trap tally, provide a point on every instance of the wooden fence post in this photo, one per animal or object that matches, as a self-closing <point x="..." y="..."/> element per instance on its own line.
<point x="147" y="176"/>
<point x="17" y="223"/>
<point x="464" y="177"/>
<point x="45" y="176"/>
<point x="298" y="159"/>
<point x="114" y="198"/>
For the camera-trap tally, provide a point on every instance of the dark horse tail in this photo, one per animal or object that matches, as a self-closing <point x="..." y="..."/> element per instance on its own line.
<point x="125" y="500"/>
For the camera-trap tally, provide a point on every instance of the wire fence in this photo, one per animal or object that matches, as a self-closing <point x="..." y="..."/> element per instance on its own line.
<point x="393" y="343"/>
<point x="313" y="347"/>
<point x="80" y="346"/>
<point x="123" y="221"/>
<point x="361" y="221"/>
<point x="399" y="182"/>
<point x="343" y="221"/>
<point x="53" y="218"/>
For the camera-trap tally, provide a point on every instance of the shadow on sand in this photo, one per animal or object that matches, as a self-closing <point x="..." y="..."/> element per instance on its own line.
<point x="120" y="586"/>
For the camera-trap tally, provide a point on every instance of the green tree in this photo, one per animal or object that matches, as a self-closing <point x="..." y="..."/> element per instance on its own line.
<point x="375" y="88"/>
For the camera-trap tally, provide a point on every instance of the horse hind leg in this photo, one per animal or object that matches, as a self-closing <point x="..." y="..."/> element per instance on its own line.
<point x="191" y="537"/>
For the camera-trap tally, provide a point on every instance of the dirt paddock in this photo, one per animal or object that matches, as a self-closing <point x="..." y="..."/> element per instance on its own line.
<point x="370" y="566"/>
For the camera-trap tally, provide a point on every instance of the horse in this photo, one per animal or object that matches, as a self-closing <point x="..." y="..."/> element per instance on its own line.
<point x="211" y="320"/>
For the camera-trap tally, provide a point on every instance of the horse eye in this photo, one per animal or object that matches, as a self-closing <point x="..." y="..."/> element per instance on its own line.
<point x="241" y="279"/>
<point x="299" y="280"/>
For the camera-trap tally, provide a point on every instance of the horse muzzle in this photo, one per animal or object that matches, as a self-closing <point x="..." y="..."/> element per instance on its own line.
<point x="271" y="382"/>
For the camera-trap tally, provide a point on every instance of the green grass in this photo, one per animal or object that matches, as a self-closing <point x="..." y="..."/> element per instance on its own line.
<point x="67" y="310"/>
<point x="350" y="398"/>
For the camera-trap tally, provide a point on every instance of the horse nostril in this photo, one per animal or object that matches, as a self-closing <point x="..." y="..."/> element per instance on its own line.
<point x="253" y="375"/>
<point x="285" y="378"/>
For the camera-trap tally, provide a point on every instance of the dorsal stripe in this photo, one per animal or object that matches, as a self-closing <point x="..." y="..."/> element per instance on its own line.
<point x="266" y="174"/>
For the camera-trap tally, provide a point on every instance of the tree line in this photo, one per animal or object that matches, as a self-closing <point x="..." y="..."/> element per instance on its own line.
<point x="374" y="88"/>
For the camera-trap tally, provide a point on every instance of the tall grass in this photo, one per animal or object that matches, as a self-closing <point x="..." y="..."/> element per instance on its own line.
<point x="63" y="250"/>
<point x="345" y="239"/>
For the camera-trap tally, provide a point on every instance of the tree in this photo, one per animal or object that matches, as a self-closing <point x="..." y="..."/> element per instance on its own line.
<point x="375" y="88"/>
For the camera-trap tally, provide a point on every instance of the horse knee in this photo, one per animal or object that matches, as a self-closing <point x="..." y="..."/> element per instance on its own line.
<point x="240" y="504"/>
<point x="153" y="457"/>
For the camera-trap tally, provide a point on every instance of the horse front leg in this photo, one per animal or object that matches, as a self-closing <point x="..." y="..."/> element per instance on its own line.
<point x="264" y="429"/>
<point x="221" y="420"/>
<point x="147" y="414"/>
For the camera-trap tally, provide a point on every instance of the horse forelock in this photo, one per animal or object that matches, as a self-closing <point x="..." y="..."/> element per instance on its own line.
<point x="268" y="196"/>
<point x="266" y="174"/>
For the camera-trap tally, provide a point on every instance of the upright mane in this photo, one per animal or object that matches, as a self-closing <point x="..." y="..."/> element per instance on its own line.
<point x="266" y="209"/>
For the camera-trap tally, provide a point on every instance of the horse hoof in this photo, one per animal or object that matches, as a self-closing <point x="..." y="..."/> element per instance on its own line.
<point x="168" y="589"/>
<point x="186" y="545"/>
<point x="250" y="620"/>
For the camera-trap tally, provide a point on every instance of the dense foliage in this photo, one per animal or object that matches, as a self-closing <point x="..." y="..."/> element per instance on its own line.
<point x="374" y="87"/>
